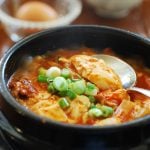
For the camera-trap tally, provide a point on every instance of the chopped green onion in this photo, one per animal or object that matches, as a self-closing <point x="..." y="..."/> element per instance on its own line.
<point x="92" y="106"/>
<point x="49" y="80"/>
<point x="42" y="71"/>
<point x="98" y="106"/>
<point x="91" y="89"/>
<point x="62" y="93"/>
<point x="72" y="95"/>
<point x="63" y="103"/>
<point x="92" y="99"/>
<point x="107" y="111"/>
<point x="42" y="78"/>
<point x="51" y="88"/>
<point x="65" y="73"/>
<point x="60" y="84"/>
<point x="53" y="72"/>
<point x="78" y="87"/>
<point x="95" y="112"/>
<point x="69" y="81"/>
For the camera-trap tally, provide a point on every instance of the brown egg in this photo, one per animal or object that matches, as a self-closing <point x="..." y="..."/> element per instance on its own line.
<point x="36" y="11"/>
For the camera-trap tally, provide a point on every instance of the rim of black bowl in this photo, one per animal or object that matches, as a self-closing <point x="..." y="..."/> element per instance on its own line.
<point x="23" y="111"/>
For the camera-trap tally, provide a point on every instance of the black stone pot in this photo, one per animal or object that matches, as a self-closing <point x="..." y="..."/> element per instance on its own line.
<point x="42" y="133"/>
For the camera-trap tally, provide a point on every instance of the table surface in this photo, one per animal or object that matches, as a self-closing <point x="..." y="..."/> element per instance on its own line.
<point x="137" y="21"/>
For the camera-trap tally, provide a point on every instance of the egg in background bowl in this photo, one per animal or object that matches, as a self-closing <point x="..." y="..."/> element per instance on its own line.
<point x="36" y="11"/>
<point x="22" y="18"/>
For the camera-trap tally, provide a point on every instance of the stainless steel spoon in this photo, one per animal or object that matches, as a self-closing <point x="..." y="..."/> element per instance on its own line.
<point x="124" y="71"/>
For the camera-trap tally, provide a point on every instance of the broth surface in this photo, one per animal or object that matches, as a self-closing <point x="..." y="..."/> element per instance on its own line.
<point x="70" y="86"/>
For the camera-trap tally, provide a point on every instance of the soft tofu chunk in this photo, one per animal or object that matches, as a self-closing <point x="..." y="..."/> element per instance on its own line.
<point x="96" y="71"/>
<point x="108" y="122"/>
<point x="52" y="111"/>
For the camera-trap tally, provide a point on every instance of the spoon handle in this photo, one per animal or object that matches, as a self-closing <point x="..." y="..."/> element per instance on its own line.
<point x="140" y="90"/>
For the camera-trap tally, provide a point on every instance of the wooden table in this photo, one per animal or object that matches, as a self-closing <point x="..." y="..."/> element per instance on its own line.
<point x="137" y="21"/>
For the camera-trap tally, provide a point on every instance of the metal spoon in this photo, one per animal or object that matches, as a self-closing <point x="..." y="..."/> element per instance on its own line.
<point x="125" y="72"/>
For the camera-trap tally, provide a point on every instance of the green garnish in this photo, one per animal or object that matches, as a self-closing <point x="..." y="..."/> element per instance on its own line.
<point x="92" y="106"/>
<point x="72" y="95"/>
<point x="107" y="111"/>
<point x="63" y="103"/>
<point x="69" y="81"/>
<point x="42" y="71"/>
<point x="78" y="87"/>
<point x="49" y="80"/>
<point x="95" y="112"/>
<point x="91" y="89"/>
<point x="92" y="99"/>
<point x="62" y="93"/>
<point x="42" y="78"/>
<point x="60" y="84"/>
<point x="53" y="72"/>
<point x="65" y="73"/>
<point x="51" y="88"/>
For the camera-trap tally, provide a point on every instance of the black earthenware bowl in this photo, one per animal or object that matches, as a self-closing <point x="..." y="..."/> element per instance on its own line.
<point x="66" y="136"/>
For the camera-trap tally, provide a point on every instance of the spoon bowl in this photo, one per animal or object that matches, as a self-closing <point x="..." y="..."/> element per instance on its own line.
<point x="125" y="72"/>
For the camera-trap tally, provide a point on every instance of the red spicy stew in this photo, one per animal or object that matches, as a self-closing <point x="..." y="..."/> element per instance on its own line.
<point x="73" y="87"/>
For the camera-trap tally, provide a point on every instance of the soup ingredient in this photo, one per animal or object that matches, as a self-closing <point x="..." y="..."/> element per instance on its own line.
<point x="125" y="110"/>
<point x="51" y="88"/>
<point x="65" y="73"/>
<point x="63" y="103"/>
<point x="78" y="110"/>
<point x="92" y="99"/>
<point x="42" y="71"/>
<point x="96" y="71"/>
<point x="100" y="111"/>
<point x="42" y="78"/>
<point x="108" y="122"/>
<point x="113" y="98"/>
<point x="60" y="84"/>
<point x="71" y="94"/>
<point x="48" y="110"/>
<point x="53" y="72"/>
<point x="78" y="87"/>
<point x="36" y="11"/>
<point x="57" y="83"/>
<point x="107" y="111"/>
<point x="91" y="89"/>
<point x="95" y="112"/>
<point x="70" y="97"/>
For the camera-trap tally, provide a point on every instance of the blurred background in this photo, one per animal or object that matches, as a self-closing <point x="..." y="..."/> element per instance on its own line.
<point x="20" y="18"/>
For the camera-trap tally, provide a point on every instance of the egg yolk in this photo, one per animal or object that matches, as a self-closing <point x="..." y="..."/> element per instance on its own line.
<point x="36" y="11"/>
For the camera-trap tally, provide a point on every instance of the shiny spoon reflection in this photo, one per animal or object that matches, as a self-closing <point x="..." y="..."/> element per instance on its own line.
<point x="125" y="72"/>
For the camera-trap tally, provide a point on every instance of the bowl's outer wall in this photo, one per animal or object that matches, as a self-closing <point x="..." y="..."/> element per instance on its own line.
<point x="93" y="37"/>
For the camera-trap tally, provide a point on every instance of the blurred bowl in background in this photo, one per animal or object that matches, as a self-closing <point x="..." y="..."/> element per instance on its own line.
<point x="113" y="8"/>
<point x="67" y="10"/>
